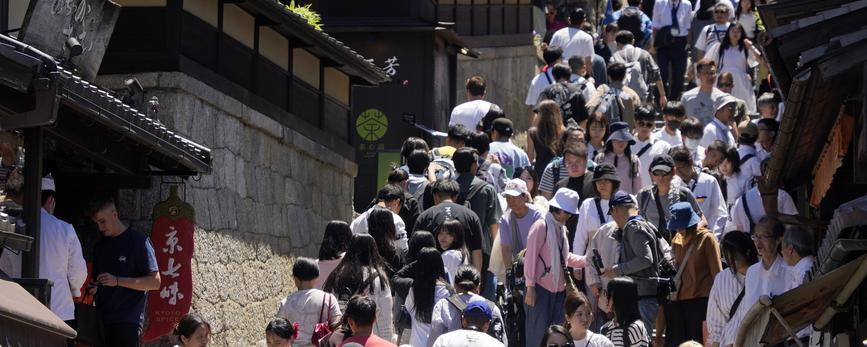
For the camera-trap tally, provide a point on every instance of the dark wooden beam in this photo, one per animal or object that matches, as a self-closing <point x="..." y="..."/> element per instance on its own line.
<point x="33" y="150"/>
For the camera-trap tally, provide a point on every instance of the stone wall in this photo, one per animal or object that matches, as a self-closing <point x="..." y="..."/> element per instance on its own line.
<point x="508" y="72"/>
<point x="267" y="200"/>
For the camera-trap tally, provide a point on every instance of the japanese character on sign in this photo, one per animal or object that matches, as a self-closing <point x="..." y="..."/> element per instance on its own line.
<point x="172" y="241"/>
<point x="171" y="292"/>
<point x="390" y="66"/>
<point x="171" y="269"/>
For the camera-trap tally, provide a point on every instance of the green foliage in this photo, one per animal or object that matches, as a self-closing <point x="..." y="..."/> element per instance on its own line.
<point x="312" y="18"/>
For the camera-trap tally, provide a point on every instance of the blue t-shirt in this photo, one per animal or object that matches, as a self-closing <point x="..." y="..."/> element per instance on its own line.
<point x="129" y="254"/>
<point x="511" y="156"/>
<point x="524" y="225"/>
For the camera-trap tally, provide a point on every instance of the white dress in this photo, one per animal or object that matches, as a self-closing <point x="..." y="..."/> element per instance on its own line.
<point x="738" y="63"/>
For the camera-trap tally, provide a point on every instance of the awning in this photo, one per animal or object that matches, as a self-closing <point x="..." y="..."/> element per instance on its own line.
<point x="89" y="118"/>
<point x="19" y="307"/>
<point x="772" y="320"/>
<point x="815" y="51"/>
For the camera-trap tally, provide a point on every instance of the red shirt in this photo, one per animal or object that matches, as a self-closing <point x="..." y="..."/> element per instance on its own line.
<point x="368" y="341"/>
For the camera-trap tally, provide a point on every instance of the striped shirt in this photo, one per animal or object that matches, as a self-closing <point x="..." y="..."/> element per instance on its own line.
<point x="637" y="334"/>
<point x="726" y="288"/>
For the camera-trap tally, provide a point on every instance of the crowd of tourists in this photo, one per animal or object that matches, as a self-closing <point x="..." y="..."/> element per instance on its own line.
<point x="631" y="216"/>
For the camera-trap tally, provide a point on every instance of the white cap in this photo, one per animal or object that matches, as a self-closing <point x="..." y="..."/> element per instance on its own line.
<point x="48" y="183"/>
<point x="565" y="199"/>
<point x="516" y="187"/>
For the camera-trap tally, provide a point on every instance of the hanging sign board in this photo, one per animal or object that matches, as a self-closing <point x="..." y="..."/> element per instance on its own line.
<point x="172" y="237"/>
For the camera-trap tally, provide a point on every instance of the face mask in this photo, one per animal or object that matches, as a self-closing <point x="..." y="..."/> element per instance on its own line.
<point x="691" y="144"/>
<point x="673" y="124"/>
<point x="604" y="303"/>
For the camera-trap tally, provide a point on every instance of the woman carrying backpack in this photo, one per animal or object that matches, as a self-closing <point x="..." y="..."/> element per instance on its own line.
<point x="618" y="153"/>
<point x="429" y="286"/>
<point x="545" y="137"/>
<point x="736" y="54"/>
<point x="362" y="271"/>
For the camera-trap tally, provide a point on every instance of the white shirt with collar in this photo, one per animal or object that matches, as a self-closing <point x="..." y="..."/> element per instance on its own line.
<point x="359" y="226"/>
<point x="61" y="261"/>
<point x="798" y="271"/>
<point x="542" y="80"/>
<point x="709" y="196"/>
<point x="761" y="152"/>
<point x="739" y="219"/>
<point x="753" y="166"/>
<point x="758" y="282"/>
<point x="662" y="15"/>
<point x="673" y="140"/>
<point x="716" y="130"/>
<point x="657" y="147"/>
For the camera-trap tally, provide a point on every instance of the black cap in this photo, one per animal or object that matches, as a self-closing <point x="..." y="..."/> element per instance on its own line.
<point x="662" y="162"/>
<point x="605" y="172"/>
<point x="503" y="126"/>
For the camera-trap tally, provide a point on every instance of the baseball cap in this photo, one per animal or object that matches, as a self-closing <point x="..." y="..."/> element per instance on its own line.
<point x="662" y="162"/>
<point x="502" y="125"/>
<point x="620" y="198"/>
<point x="516" y="187"/>
<point x="480" y="306"/>
<point x="48" y="183"/>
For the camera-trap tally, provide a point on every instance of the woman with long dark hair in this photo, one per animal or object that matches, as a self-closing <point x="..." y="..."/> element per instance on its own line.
<point x="544" y="137"/>
<point x="737" y="182"/>
<point x="579" y="317"/>
<point x="335" y="242"/>
<point x="380" y="225"/>
<point x="736" y="54"/>
<point x="626" y="328"/>
<point x="419" y="239"/>
<point x="728" y="286"/>
<point x="747" y="15"/>
<point x="428" y="287"/>
<point x="618" y="153"/>
<point x="362" y="271"/>
<point x="452" y="245"/>
<point x="193" y="331"/>
<point x="556" y="335"/>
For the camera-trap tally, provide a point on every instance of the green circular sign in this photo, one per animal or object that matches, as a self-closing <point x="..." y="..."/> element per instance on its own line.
<point x="371" y="124"/>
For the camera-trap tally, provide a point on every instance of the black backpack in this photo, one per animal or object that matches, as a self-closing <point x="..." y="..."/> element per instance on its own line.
<point x="630" y="19"/>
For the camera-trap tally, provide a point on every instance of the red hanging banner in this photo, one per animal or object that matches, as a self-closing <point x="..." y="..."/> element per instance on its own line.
<point x="172" y="238"/>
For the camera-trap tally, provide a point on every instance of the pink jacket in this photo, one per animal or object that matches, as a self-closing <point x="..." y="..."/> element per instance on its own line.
<point x="538" y="247"/>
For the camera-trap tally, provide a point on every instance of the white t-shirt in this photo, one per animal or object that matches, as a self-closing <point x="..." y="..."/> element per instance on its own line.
<point x="421" y="330"/>
<point x="673" y="140"/>
<point x="470" y="113"/>
<point x="710" y="35"/>
<point x="574" y="42"/>
<point x="307" y="308"/>
<point x="593" y="340"/>
<point x="359" y="226"/>
<point x="537" y="85"/>
<point x="466" y="338"/>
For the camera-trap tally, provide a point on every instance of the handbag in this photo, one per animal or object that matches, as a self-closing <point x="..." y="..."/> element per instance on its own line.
<point x="88" y="321"/>
<point x="320" y="330"/>
<point x="404" y="319"/>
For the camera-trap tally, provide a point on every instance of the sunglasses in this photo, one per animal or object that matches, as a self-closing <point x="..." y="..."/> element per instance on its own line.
<point x="567" y="344"/>
<point x="660" y="173"/>
<point x="721" y="11"/>
<point x="726" y="85"/>
<point x="645" y="124"/>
